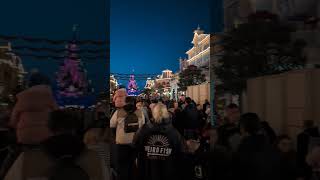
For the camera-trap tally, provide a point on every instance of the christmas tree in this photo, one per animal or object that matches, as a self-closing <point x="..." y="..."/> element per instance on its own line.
<point x="132" y="86"/>
<point x="72" y="79"/>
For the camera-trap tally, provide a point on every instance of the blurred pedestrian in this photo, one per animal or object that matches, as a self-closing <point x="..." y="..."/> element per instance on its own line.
<point x="209" y="160"/>
<point x="268" y="132"/>
<point x="141" y="106"/>
<point x="126" y="121"/>
<point x="313" y="160"/>
<point x="96" y="140"/>
<point x="288" y="161"/>
<point x="303" y="142"/>
<point x="62" y="156"/>
<point x="205" y="105"/>
<point x="31" y="112"/>
<point x="230" y="131"/>
<point x="254" y="158"/>
<point x="191" y="120"/>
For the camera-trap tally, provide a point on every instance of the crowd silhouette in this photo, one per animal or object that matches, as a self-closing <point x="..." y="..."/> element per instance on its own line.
<point x="147" y="139"/>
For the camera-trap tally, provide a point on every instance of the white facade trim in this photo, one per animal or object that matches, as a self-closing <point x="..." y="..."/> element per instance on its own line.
<point x="202" y="52"/>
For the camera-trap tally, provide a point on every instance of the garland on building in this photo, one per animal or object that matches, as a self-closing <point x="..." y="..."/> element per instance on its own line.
<point x="51" y="41"/>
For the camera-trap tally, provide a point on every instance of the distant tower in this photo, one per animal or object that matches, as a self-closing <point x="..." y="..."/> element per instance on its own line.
<point x="198" y="31"/>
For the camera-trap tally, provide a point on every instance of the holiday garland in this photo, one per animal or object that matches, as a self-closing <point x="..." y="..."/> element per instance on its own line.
<point x="50" y="41"/>
<point x="53" y="50"/>
<point x="56" y="57"/>
<point x="120" y="76"/>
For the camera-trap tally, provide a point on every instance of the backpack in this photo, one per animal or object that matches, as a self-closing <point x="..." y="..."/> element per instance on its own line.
<point x="66" y="169"/>
<point x="131" y="123"/>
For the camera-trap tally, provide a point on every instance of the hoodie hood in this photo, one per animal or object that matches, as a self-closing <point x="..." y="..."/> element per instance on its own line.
<point x="64" y="145"/>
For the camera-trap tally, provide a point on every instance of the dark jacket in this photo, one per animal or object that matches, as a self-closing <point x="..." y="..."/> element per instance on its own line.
<point x="303" y="143"/>
<point x="159" y="148"/>
<point x="303" y="140"/>
<point x="63" y="145"/>
<point x="208" y="164"/>
<point x="204" y="107"/>
<point x="177" y="120"/>
<point x="191" y="117"/>
<point x="255" y="159"/>
<point x="288" y="164"/>
<point x="7" y="140"/>
<point x="269" y="132"/>
<point x="38" y="162"/>
<point x="226" y="132"/>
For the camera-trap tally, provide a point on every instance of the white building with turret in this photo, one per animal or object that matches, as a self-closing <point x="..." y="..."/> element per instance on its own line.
<point x="199" y="54"/>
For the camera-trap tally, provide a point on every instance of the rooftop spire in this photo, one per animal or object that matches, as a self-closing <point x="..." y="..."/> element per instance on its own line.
<point x="198" y="30"/>
<point x="75" y="30"/>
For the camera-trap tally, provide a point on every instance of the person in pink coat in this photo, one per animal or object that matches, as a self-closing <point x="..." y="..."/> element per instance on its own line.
<point x="31" y="112"/>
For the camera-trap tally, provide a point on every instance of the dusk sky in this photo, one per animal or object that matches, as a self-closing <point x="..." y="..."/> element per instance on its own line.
<point x="151" y="35"/>
<point x="54" y="20"/>
<point x="146" y="35"/>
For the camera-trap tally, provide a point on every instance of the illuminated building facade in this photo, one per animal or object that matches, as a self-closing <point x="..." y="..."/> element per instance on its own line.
<point x="113" y="83"/>
<point x="11" y="69"/>
<point x="199" y="54"/>
<point x="163" y="81"/>
<point x="149" y="84"/>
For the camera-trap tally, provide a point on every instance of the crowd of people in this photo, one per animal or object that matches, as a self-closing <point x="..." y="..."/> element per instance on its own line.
<point x="147" y="139"/>
<point x="175" y="140"/>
